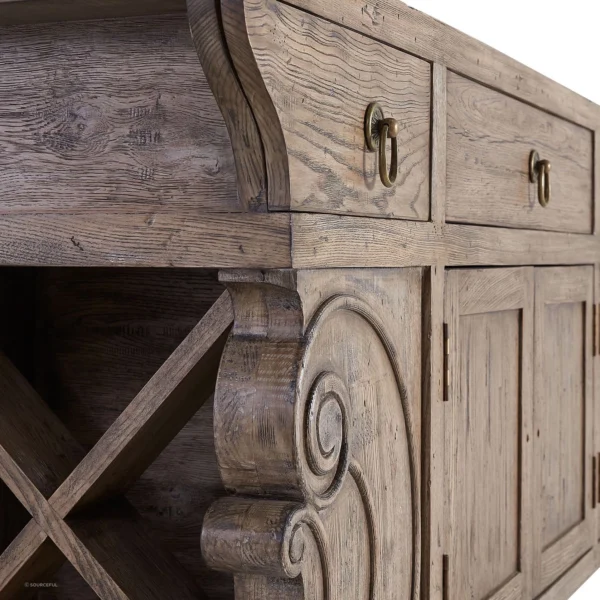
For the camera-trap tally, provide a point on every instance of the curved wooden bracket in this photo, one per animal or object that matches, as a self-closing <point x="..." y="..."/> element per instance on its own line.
<point x="207" y="33"/>
<point x="315" y="434"/>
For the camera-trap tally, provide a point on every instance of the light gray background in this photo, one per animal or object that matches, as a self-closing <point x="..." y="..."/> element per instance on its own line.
<point x="560" y="39"/>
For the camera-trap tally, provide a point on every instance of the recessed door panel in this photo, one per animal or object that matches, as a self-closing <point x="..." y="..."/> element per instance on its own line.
<point x="489" y="314"/>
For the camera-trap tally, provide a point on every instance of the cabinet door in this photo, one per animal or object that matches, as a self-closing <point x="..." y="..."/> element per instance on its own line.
<point x="488" y="416"/>
<point x="596" y="434"/>
<point x="563" y="416"/>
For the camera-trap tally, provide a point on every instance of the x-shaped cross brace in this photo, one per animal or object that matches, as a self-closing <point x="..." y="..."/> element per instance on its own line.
<point x="61" y="486"/>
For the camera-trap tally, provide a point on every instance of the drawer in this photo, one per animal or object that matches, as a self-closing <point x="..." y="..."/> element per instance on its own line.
<point x="490" y="139"/>
<point x="321" y="78"/>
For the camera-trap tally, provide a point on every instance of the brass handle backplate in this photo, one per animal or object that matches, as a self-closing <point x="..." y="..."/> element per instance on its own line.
<point x="539" y="172"/>
<point x="377" y="130"/>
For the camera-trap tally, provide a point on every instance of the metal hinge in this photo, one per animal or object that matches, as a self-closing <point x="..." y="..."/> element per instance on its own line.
<point x="597" y="492"/>
<point x="594" y="481"/>
<point x="596" y="329"/>
<point x="446" y="363"/>
<point x="445" y="576"/>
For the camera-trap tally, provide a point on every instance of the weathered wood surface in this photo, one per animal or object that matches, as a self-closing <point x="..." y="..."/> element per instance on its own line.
<point x="320" y="79"/>
<point x="320" y="241"/>
<point x="439" y="133"/>
<point x="488" y="429"/>
<point x="433" y="499"/>
<point x="102" y="334"/>
<point x="15" y="12"/>
<point x="564" y="521"/>
<point x="106" y="115"/>
<point x="100" y="561"/>
<point x="396" y="24"/>
<point x="323" y="423"/>
<point x="138" y="239"/>
<point x="206" y="29"/>
<point x="106" y="333"/>
<point x="490" y="139"/>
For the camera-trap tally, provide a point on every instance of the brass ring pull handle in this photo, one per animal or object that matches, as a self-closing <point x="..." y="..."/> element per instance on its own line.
<point x="539" y="172"/>
<point x="377" y="130"/>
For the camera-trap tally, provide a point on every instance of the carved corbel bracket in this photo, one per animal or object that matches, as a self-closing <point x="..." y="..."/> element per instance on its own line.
<point x="314" y="436"/>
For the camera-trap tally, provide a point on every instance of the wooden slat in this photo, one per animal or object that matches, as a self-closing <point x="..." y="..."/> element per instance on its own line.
<point x="573" y="579"/>
<point x="433" y="428"/>
<point x="32" y="434"/>
<point x="321" y="241"/>
<point x="159" y="411"/>
<point x="438" y="143"/>
<point x="117" y="559"/>
<point x="145" y="240"/>
<point x="41" y="11"/>
<point x="30" y="557"/>
<point x="119" y="542"/>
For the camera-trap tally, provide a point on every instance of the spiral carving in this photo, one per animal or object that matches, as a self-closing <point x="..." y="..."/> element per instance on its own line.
<point x="313" y="425"/>
<point x="306" y="521"/>
<point x="326" y="437"/>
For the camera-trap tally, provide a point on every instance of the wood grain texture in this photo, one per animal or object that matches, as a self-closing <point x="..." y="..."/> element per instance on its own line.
<point x="161" y="409"/>
<point x="489" y="446"/>
<point x="206" y="29"/>
<point x="16" y="12"/>
<point x="401" y="26"/>
<point x="235" y="25"/>
<point x="320" y="79"/>
<point x="153" y="239"/>
<point x="439" y="143"/>
<point x="433" y="434"/>
<point x="103" y="333"/>
<point x="318" y="401"/>
<point x="111" y="313"/>
<point x="321" y="241"/>
<point x="101" y="561"/>
<point x="564" y="525"/>
<point x="31" y="557"/>
<point x="596" y="396"/>
<point x="40" y="444"/>
<point x="490" y="139"/>
<point x="574" y="578"/>
<point x="105" y="115"/>
<point x="597" y="181"/>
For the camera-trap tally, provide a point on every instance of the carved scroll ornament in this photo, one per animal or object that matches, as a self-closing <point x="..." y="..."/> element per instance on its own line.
<point x="312" y="429"/>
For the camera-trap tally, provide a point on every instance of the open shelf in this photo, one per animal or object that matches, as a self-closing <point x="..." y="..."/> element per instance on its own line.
<point x="121" y="366"/>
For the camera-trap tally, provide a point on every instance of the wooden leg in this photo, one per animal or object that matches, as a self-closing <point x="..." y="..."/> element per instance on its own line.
<point x="317" y="431"/>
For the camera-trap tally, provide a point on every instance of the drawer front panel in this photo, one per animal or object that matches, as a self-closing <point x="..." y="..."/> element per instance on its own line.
<point x="490" y="139"/>
<point x="321" y="78"/>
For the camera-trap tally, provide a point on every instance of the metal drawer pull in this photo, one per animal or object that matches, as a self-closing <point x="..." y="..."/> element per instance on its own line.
<point x="377" y="130"/>
<point x="539" y="172"/>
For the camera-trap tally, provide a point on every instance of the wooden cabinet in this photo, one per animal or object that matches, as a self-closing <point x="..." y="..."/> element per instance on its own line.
<point x="260" y="340"/>
<point x="488" y="421"/>
<point x="519" y="454"/>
